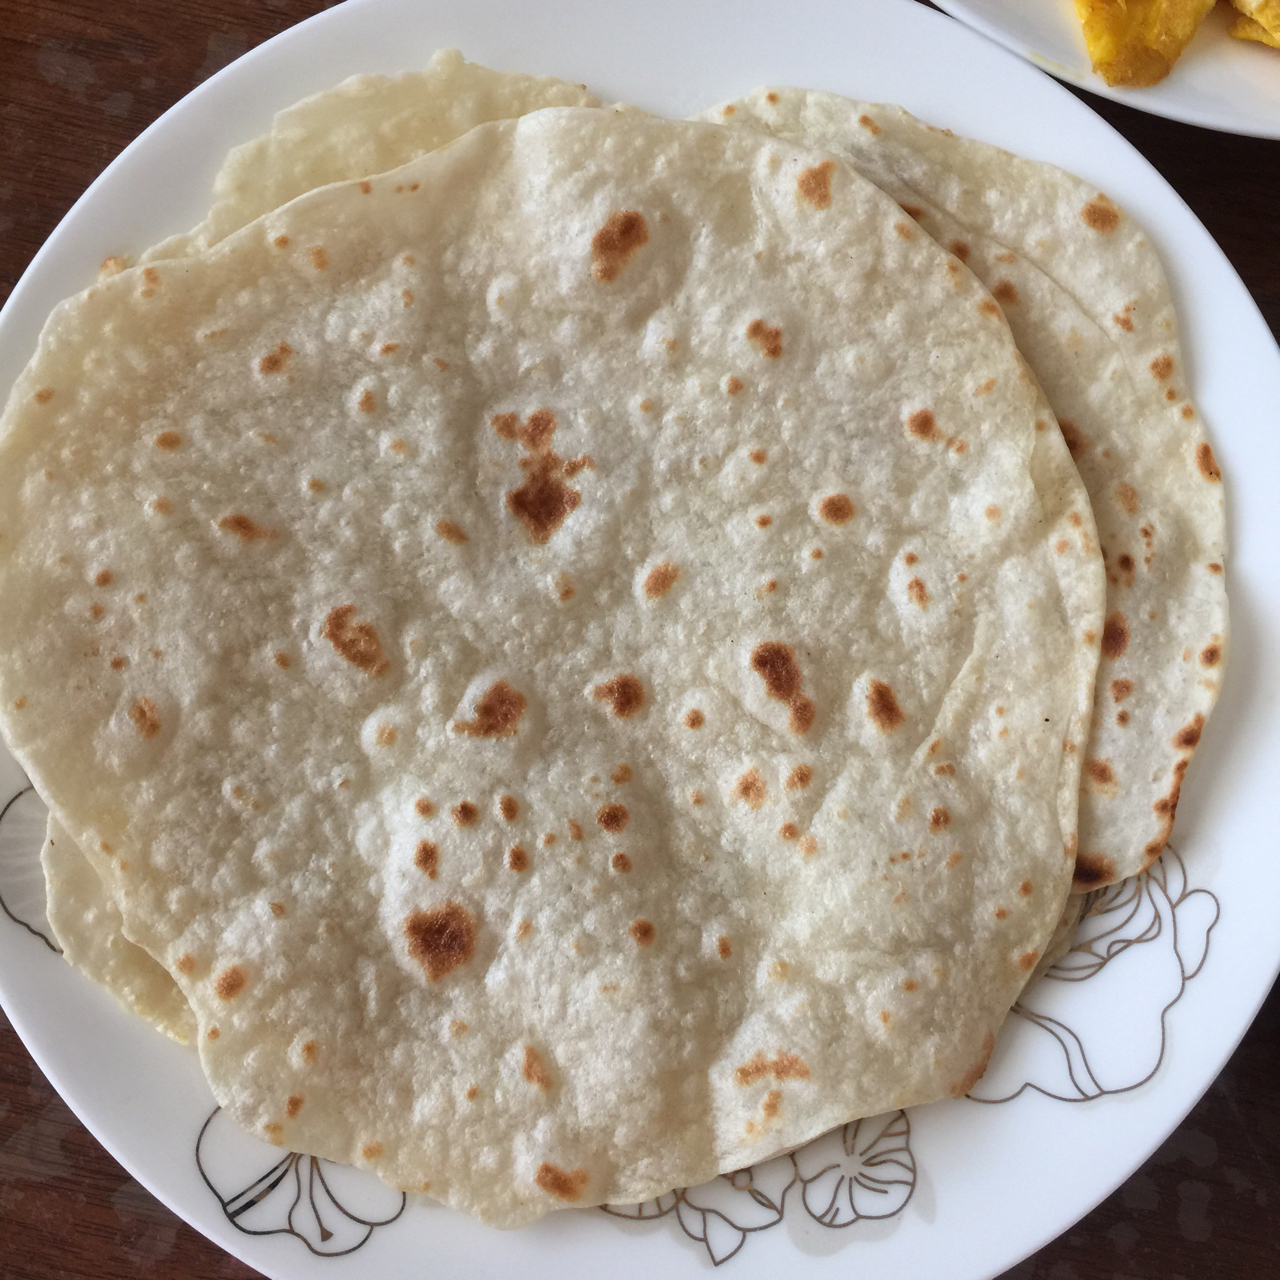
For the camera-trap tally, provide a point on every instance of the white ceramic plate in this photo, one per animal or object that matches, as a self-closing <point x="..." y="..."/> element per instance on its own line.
<point x="1219" y="82"/>
<point x="959" y="1189"/>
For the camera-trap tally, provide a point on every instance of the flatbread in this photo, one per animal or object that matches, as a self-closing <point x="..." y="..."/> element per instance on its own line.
<point x="1087" y="300"/>
<point x="87" y="924"/>
<point x="476" y="503"/>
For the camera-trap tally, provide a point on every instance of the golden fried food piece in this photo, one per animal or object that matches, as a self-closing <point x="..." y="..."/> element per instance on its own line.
<point x="1259" y="20"/>
<point x="1136" y="42"/>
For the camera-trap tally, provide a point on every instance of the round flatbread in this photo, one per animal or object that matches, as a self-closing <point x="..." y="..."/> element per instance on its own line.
<point x="549" y="651"/>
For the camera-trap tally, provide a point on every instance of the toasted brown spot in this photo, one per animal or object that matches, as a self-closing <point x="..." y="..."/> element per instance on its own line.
<point x="185" y="963"/>
<point x="162" y="506"/>
<point x="917" y="593"/>
<point x="1187" y="411"/>
<point x="904" y="229"/>
<point x="836" y="508"/>
<point x="882" y="707"/>
<point x="1002" y="913"/>
<point x="768" y="341"/>
<point x="1077" y="441"/>
<point x="498" y="713"/>
<point x="789" y="831"/>
<point x="613" y="818"/>
<point x="1121" y="689"/>
<point x="1004" y="292"/>
<point x="246" y="529"/>
<point x="310" y="1051"/>
<point x="799" y="777"/>
<point x="43" y="396"/>
<point x="1187" y="737"/>
<point x="451" y="532"/>
<point x="371" y="1150"/>
<point x="1207" y="463"/>
<point x="750" y="788"/>
<point x="584" y="462"/>
<point x="276" y="360"/>
<point x="620" y="863"/>
<point x="923" y="425"/>
<point x="643" y="932"/>
<point x="473" y="1092"/>
<point x="660" y="579"/>
<point x="282" y="659"/>
<point x="517" y="858"/>
<point x="1027" y="960"/>
<point x="423" y="807"/>
<point x="616" y="243"/>
<point x="1162" y="368"/>
<point x="145" y="717"/>
<point x="561" y="1184"/>
<point x="945" y="770"/>
<point x="954" y="859"/>
<point x="535" y="1070"/>
<point x="624" y="694"/>
<point x="939" y="820"/>
<point x="441" y="939"/>
<point x="695" y="797"/>
<point x="1093" y="870"/>
<point x="775" y="663"/>
<point x="319" y="258"/>
<point x="724" y="947"/>
<point x="293" y="1105"/>
<point x="168" y="441"/>
<point x="549" y="839"/>
<point x="386" y="735"/>
<point x="733" y="384"/>
<point x="764" y="521"/>
<point x="646" y="405"/>
<point x="427" y="859"/>
<point x="621" y="774"/>
<point x="758" y="456"/>
<point x="443" y="365"/>
<point x="814" y="185"/>
<point x="575" y="830"/>
<point x="869" y="124"/>
<point x="230" y="982"/>
<point x="509" y="807"/>
<point x="694" y="719"/>
<point x="357" y="642"/>
<point x="96" y="611"/>
<point x="1210" y="655"/>
<point x="1115" y="635"/>
<point x="465" y="814"/>
<point x="104" y="578"/>
<point x="1100" y="772"/>
<point x="988" y="308"/>
<point x="406" y="297"/>
<point x="1101" y="215"/>
<point x="960" y="250"/>
<point x="544" y="502"/>
<point x="785" y="1066"/>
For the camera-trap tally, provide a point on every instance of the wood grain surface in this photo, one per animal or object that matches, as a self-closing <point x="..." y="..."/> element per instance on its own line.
<point x="78" y="80"/>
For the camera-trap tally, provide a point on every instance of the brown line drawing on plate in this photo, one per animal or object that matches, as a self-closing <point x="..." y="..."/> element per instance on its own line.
<point x="1135" y="913"/>
<point x="263" y="1188"/>
<point x="863" y="1171"/>
<point x="4" y="906"/>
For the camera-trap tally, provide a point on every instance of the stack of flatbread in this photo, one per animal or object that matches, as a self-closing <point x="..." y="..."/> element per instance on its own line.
<point x="570" y="651"/>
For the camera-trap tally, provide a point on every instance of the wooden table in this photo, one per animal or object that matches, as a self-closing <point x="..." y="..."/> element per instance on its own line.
<point x="78" y="80"/>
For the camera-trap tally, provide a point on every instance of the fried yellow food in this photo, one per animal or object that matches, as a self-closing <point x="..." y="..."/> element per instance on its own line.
<point x="1135" y="43"/>
<point x="1259" y="20"/>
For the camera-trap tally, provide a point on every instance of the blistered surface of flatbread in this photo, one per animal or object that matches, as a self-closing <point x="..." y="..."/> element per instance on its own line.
<point x="547" y="648"/>
<point x="88" y="926"/>
<point x="1088" y="303"/>
<point x="366" y="125"/>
